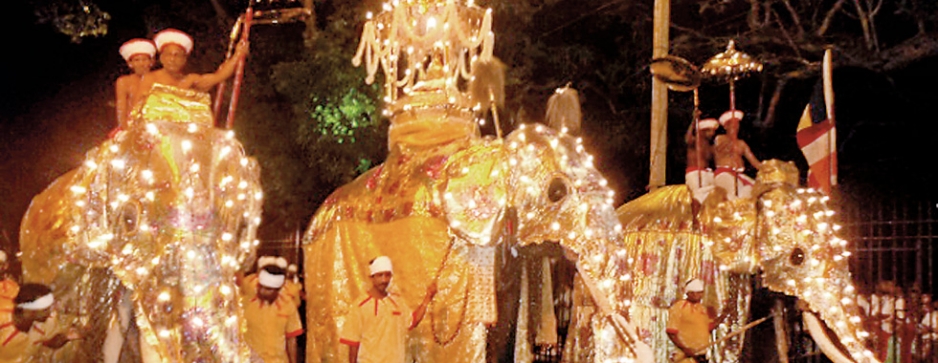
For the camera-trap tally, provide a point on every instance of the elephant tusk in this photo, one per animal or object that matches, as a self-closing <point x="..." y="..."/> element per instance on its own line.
<point x="817" y="330"/>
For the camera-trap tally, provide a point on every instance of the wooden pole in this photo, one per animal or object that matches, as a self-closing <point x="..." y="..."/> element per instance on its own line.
<point x="659" y="98"/>
<point x="239" y="71"/>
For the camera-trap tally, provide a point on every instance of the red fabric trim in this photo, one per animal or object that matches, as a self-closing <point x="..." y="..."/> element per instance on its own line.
<point x="349" y="342"/>
<point x="695" y="168"/>
<point x="364" y="301"/>
<point x="299" y="332"/>
<point x="725" y="169"/>
<point x="9" y="338"/>
<point x="376" y="307"/>
<point x="413" y="321"/>
<point x="395" y="313"/>
<point x="671" y="331"/>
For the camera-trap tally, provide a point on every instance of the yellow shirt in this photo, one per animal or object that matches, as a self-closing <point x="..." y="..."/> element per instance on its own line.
<point x="292" y="290"/>
<point x="17" y="346"/>
<point x="269" y="326"/>
<point x="378" y="327"/>
<point x="8" y="291"/>
<point x="691" y="322"/>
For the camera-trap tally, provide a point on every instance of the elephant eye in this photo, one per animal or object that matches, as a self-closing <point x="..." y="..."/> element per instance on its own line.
<point x="797" y="256"/>
<point x="556" y="190"/>
<point x="126" y="218"/>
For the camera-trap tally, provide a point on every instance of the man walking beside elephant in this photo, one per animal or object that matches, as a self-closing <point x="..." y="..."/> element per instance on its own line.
<point x="376" y="328"/>
<point x="690" y="323"/>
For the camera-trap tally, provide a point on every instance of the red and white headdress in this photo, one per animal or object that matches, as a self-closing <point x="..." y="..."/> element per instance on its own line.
<point x="731" y="115"/>
<point x="137" y="46"/>
<point x="173" y="36"/>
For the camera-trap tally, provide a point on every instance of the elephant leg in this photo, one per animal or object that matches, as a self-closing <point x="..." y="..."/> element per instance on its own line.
<point x="501" y="340"/>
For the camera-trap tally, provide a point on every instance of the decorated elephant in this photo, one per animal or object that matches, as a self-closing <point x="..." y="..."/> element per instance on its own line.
<point x="785" y="234"/>
<point x="444" y="211"/>
<point x="160" y="217"/>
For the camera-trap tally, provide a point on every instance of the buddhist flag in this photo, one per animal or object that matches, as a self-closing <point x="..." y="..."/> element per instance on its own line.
<point x="817" y="136"/>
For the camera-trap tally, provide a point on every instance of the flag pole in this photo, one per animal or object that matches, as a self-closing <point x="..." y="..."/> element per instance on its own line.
<point x="239" y="71"/>
<point x="827" y="69"/>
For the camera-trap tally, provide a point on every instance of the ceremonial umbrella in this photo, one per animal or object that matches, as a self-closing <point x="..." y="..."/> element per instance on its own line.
<point x="730" y="66"/>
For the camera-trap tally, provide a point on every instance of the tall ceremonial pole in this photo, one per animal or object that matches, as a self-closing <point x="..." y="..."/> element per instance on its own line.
<point x="659" y="98"/>
<point x="239" y="71"/>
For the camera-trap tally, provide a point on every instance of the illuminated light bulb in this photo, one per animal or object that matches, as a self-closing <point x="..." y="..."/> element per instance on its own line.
<point x="75" y="228"/>
<point x="186" y="145"/>
<point x="194" y="168"/>
<point x="189" y="192"/>
<point x="840" y="324"/>
<point x="118" y="163"/>
<point x="822" y="226"/>
<point x="113" y="148"/>
<point x="588" y="233"/>
<point x="164" y="333"/>
<point x="818" y="215"/>
<point x="78" y="189"/>
<point x="845" y="254"/>
<point x="718" y="219"/>
<point x="776" y="230"/>
<point x="603" y="182"/>
<point x="258" y="195"/>
<point x="225" y="289"/>
<point x="554" y="143"/>
<point x="770" y="213"/>
<point x="241" y="196"/>
<point x="815" y="262"/>
<point x="454" y="224"/>
<point x="846" y="301"/>
<point x="257" y="220"/>
<point x="226" y="237"/>
<point x="91" y="164"/>
<point x="198" y="289"/>
<point x="150" y="196"/>
<point x="123" y="197"/>
<point x="848" y="289"/>
<point x="244" y="161"/>
<point x="192" y="128"/>
<point x="828" y="213"/>
<point x="243" y="184"/>
<point x="617" y="228"/>
<point x="142" y="271"/>
<point x="155" y="260"/>
<point x="598" y="258"/>
<point x="571" y="235"/>
<point x="245" y="245"/>
<point x="539" y="128"/>
<point x="811" y="200"/>
<point x="836" y="227"/>
<point x="863" y="334"/>
<point x="229" y="203"/>
<point x="80" y="203"/>
<point x="776" y="248"/>
<point x="531" y="148"/>
<point x="767" y="203"/>
<point x="197" y="322"/>
<point x="855" y="319"/>
<point x="791" y="282"/>
<point x="163" y="297"/>
<point x="802" y="218"/>
<point x="555" y="226"/>
<point x="512" y="161"/>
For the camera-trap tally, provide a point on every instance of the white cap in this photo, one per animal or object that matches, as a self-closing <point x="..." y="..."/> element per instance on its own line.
<point x="267" y="279"/>
<point x="266" y="261"/>
<point x="729" y="115"/>
<point x="708" y="123"/>
<point x="173" y="36"/>
<point x="380" y="264"/>
<point x="137" y="46"/>
<point x="39" y="303"/>
<point x="292" y="268"/>
<point x="281" y="262"/>
<point x="695" y="285"/>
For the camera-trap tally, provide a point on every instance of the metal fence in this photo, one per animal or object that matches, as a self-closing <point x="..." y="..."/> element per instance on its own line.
<point x="895" y="244"/>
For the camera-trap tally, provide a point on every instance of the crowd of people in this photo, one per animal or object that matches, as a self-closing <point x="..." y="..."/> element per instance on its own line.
<point x="902" y="323"/>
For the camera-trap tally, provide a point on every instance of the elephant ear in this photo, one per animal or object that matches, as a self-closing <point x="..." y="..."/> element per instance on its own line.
<point x="474" y="192"/>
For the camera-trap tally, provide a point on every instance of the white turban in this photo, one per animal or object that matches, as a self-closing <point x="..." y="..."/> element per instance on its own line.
<point x="707" y="123"/>
<point x="695" y="285"/>
<point x="270" y="280"/>
<point x="380" y="264"/>
<point x="730" y="115"/>
<point x="137" y="46"/>
<point x="173" y="36"/>
<point x="266" y="261"/>
<point x="39" y="303"/>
